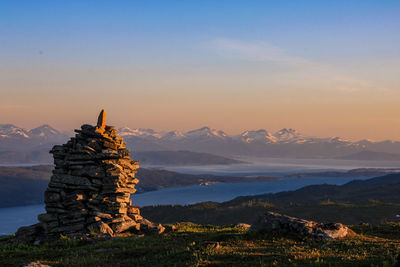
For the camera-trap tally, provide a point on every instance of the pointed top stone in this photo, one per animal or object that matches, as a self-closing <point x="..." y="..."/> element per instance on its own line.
<point x="101" y="121"/>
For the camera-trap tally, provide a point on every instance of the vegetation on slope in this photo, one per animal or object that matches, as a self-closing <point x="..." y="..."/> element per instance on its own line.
<point x="247" y="212"/>
<point x="205" y="245"/>
<point x="372" y="201"/>
<point x="23" y="185"/>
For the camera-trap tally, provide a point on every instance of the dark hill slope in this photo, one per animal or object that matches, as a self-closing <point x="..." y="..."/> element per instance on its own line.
<point x="374" y="201"/>
<point x="384" y="188"/>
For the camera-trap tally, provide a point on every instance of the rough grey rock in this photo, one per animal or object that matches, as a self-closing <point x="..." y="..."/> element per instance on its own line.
<point x="287" y="224"/>
<point x="149" y="227"/>
<point x="28" y="234"/>
<point x="35" y="264"/>
<point x="243" y="225"/>
<point x="101" y="228"/>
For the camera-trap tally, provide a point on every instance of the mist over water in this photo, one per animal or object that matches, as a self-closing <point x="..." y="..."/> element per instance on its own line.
<point x="281" y="166"/>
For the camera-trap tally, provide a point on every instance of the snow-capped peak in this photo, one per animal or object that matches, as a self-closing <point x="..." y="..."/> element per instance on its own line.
<point x="43" y="131"/>
<point x="338" y="140"/>
<point x="261" y="135"/>
<point x="206" y="132"/>
<point x="365" y="141"/>
<point x="10" y="130"/>
<point x="126" y="131"/>
<point x="173" y="135"/>
<point x="287" y="135"/>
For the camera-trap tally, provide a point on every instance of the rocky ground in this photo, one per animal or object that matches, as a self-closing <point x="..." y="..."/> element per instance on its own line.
<point x="205" y="245"/>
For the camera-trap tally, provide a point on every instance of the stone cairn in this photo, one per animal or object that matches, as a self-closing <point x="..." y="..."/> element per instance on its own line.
<point x="89" y="191"/>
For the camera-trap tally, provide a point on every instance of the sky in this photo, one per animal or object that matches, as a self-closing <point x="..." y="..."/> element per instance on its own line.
<point x="325" y="68"/>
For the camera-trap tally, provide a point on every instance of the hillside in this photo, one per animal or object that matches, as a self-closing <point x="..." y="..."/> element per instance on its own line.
<point x="373" y="201"/>
<point x="382" y="188"/>
<point x="23" y="185"/>
<point x="26" y="157"/>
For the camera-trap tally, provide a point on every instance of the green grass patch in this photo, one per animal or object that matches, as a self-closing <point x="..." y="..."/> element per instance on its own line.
<point x="209" y="245"/>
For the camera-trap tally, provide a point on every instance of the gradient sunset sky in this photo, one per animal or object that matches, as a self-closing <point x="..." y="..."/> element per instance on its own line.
<point x="325" y="68"/>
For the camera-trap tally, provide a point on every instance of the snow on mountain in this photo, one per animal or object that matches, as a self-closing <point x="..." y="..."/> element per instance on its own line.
<point x="173" y="136"/>
<point x="289" y="136"/>
<point x="206" y="132"/>
<point x="261" y="136"/>
<point x="285" y="142"/>
<point x="339" y="140"/>
<point x="365" y="142"/>
<point x="12" y="131"/>
<point x="140" y="132"/>
<point x="44" y="131"/>
<point x="258" y="136"/>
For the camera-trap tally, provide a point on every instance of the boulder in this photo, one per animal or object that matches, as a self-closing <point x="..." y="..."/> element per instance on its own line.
<point x="149" y="227"/>
<point x="243" y="225"/>
<point x="35" y="264"/>
<point x="101" y="228"/>
<point x="28" y="234"/>
<point x="277" y="222"/>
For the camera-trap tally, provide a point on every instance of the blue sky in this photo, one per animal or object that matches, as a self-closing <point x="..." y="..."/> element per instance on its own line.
<point x="318" y="29"/>
<point x="248" y="56"/>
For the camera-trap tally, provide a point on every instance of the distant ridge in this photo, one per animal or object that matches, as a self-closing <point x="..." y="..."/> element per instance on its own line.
<point x="171" y="158"/>
<point x="182" y="158"/>
<point x="372" y="155"/>
<point x="285" y="143"/>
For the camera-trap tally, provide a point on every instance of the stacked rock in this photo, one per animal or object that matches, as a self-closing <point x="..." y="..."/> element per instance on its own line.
<point x="89" y="191"/>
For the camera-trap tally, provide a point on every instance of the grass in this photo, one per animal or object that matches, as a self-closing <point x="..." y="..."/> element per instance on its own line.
<point x="206" y="245"/>
<point x="249" y="210"/>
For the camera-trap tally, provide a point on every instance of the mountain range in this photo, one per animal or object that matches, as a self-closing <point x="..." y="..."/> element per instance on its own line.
<point x="283" y="143"/>
<point x="14" y="138"/>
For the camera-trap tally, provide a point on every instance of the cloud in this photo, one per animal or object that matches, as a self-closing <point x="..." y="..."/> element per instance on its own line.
<point x="256" y="51"/>
<point x="302" y="69"/>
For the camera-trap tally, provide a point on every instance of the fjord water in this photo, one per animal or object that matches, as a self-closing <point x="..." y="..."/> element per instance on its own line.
<point x="15" y="217"/>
